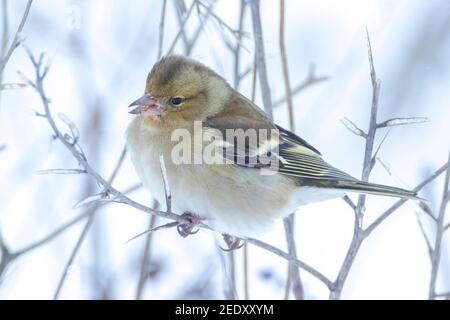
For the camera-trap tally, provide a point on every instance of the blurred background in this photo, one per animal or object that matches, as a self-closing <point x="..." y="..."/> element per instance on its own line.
<point x="100" y="53"/>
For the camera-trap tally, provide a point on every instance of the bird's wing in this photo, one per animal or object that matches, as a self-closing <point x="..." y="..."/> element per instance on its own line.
<point x="277" y="148"/>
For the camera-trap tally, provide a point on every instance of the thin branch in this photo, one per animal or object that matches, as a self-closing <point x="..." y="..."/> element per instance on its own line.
<point x="146" y="257"/>
<point x="447" y="226"/>
<point x="61" y="171"/>
<point x="400" y="202"/>
<point x="246" y="278"/>
<point x="161" y="28"/>
<point x="168" y="194"/>
<point x="425" y="237"/>
<point x="298" y="263"/>
<point x="284" y="62"/>
<point x="353" y="128"/>
<point x="436" y="254"/>
<point x="261" y="57"/>
<point x="311" y="80"/>
<point x="154" y="229"/>
<point x="17" y="36"/>
<point x="293" y="275"/>
<point x="358" y="233"/>
<point x="237" y="49"/>
<point x="182" y="25"/>
<point x="73" y="255"/>
<point x="235" y="33"/>
<point x="402" y="121"/>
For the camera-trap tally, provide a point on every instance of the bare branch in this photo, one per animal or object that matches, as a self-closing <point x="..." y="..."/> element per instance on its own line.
<point x="311" y="80"/>
<point x="167" y="192"/>
<point x="284" y="62"/>
<point x="260" y="57"/>
<point x="182" y="25"/>
<point x="12" y="86"/>
<point x="425" y="237"/>
<point x="353" y="128"/>
<point x="61" y="171"/>
<point x="349" y="201"/>
<point x="402" y="121"/>
<point x="147" y="254"/>
<point x="161" y="28"/>
<point x="358" y="233"/>
<point x="447" y="226"/>
<point x="291" y="259"/>
<point x="154" y="229"/>
<point x="235" y="33"/>
<point x="17" y="37"/>
<point x="73" y="255"/>
<point x="246" y="278"/>
<point x="293" y="275"/>
<point x="99" y="197"/>
<point x="436" y="254"/>
<point x="400" y="202"/>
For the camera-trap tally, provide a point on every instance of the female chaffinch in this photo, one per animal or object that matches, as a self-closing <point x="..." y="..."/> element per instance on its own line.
<point x="221" y="173"/>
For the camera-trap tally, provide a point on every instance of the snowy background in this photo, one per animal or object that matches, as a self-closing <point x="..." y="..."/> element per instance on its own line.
<point x="100" y="53"/>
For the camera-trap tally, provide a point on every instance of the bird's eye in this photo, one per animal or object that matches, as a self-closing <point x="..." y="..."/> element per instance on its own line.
<point x="176" y="101"/>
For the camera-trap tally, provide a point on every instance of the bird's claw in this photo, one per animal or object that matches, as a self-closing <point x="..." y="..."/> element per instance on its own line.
<point x="232" y="242"/>
<point x="186" y="229"/>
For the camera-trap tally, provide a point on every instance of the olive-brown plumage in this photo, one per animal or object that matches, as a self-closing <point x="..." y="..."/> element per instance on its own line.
<point x="234" y="196"/>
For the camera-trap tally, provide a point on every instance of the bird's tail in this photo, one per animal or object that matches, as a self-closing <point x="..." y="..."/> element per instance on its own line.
<point x="377" y="189"/>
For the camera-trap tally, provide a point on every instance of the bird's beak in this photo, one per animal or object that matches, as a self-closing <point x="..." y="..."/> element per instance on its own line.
<point x="147" y="105"/>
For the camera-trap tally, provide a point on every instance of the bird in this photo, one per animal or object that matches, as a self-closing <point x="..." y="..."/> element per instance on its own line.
<point x="233" y="183"/>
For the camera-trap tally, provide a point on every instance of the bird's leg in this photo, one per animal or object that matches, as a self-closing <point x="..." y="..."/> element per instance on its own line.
<point x="186" y="229"/>
<point x="232" y="242"/>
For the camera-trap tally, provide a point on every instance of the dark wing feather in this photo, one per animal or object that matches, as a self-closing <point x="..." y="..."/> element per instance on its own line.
<point x="293" y="155"/>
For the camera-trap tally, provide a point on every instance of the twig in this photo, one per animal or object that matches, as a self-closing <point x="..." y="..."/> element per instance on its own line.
<point x="182" y="25"/>
<point x="254" y="78"/>
<point x="298" y="263"/>
<point x="284" y="62"/>
<point x="146" y="257"/>
<point x="61" y="171"/>
<point x="235" y="33"/>
<point x="246" y="278"/>
<point x="293" y="274"/>
<point x="168" y="194"/>
<point x="358" y="233"/>
<point x="311" y="80"/>
<point x="425" y="237"/>
<point x="293" y="277"/>
<point x="161" y="28"/>
<point x="17" y="37"/>
<point x="400" y="202"/>
<point x="73" y="255"/>
<point x="436" y="254"/>
<point x="154" y="229"/>
<point x="447" y="226"/>
<point x="401" y="122"/>
<point x="237" y="49"/>
<point x="260" y="57"/>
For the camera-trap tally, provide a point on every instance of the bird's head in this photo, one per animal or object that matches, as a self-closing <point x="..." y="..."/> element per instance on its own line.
<point x="179" y="91"/>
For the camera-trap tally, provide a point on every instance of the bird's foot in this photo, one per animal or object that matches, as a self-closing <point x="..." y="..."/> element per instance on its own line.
<point x="186" y="229"/>
<point x="232" y="242"/>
